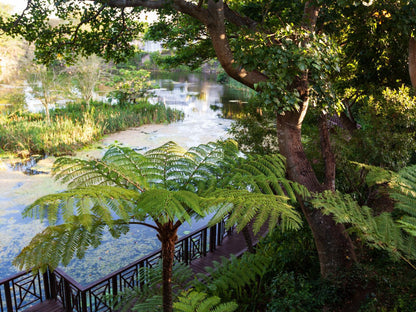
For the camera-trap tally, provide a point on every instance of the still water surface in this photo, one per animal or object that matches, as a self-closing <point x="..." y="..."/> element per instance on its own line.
<point x="199" y="98"/>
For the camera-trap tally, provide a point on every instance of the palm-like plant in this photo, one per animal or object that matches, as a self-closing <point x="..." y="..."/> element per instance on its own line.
<point x="167" y="185"/>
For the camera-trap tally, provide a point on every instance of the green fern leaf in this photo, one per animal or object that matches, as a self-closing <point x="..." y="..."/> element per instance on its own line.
<point x="193" y="301"/>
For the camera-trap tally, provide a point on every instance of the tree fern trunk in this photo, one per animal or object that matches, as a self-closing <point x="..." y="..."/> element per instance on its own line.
<point x="334" y="246"/>
<point x="168" y="238"/>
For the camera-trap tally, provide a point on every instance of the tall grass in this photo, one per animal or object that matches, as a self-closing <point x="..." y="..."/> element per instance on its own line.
<point x="73" y="127"/>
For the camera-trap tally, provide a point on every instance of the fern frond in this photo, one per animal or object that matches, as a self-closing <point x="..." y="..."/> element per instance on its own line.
<point x="207" y="162"/>
<point x="404" y="191"/>
<point x="408" y="224"/>
<point x="233" y="276"/>
<point x="83" y="173"/>
<point x="102" y="201"/>
<point x="244" y="206"/>
<point x="376" y="175"/>
<point x="162" y="159"/>
<point x="164" y="206"/>
<point x="380" y="232"/>
<point x="265" y="174"/>
<point x="193" y="301"/>
<point x="58" y="244"/>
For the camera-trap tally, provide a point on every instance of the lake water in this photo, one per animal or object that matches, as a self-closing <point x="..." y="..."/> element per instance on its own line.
<point x="201" y="99"/>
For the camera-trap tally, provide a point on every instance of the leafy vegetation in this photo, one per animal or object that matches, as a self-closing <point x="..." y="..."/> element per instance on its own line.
<point x="167" y="185"/>
<point x="73" y="127"/>
<point x="327" y="66"/>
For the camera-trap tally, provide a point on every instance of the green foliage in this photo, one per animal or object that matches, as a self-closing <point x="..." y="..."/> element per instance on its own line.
<point x="236" y="279"/>
<point x="122" y="188"/>
<point x="284" y="63"/>
<point x="255" y="131"/>
<point x="109" y="37"/>
<point x="392" y="284"/>
<point x="184" y="35"/>
<point x="383" y="28"/>
<point x="292" y="292"/>
<point x="148" y="297"/>
<point x="404" y="194"/>
<point x="381" y="231"/>
<point x="258" y="190"/>
<point x="191" y="301"/>
<point x="382" y="142"/>
<point x="72" y="127"/>
<point x="130" y="85"/>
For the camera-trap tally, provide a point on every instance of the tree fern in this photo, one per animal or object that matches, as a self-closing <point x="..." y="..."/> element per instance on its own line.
<point x="122" y="189"/>
<point x="164" y="206"/>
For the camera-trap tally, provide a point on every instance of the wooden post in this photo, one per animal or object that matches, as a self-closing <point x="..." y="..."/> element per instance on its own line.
<point x="47" y="285"/>
<point x="67" y="301"/>
<point x="186" y="250"/>
<point x="114" y="286"/>
<point x="83" y="302"/>
<point x="8" y="295"/>
<point x="52" y="284"/>
<point x="204" y="242"/>
<point x="212" y="237"/>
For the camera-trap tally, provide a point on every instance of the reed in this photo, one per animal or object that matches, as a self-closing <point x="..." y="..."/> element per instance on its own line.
<point x="75" y="126"/>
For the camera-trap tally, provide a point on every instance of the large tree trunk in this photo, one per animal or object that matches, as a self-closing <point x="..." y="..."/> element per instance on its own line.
<point x="334" y="246"/>
<point x="412" y="61"/>
<point x="168" y="237"/>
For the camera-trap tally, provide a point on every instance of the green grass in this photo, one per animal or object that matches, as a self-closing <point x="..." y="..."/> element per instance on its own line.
<point x="74" y="127"/>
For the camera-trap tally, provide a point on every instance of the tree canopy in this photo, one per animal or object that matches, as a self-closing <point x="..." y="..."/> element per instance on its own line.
<point x="299" y="56"/>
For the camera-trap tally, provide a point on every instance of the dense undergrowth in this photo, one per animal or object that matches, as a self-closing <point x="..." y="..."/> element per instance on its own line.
<point x="284" y="275"/>
<point x="74" y="126"/>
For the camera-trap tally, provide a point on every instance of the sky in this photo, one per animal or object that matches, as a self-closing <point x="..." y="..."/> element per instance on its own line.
<point x="17" y="5"/>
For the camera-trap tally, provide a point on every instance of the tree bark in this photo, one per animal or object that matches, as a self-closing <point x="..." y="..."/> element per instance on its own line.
<point x="334" y="246"/>
<point x="167" y="236"/>
<point x="327" y="154"/>
<point x="412" y="61"/>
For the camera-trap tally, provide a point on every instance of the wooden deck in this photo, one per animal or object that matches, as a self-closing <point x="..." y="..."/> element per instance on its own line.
<point x="47" y="306"/>
<point x="231" y="245"/>
<point x="234" y="244"/>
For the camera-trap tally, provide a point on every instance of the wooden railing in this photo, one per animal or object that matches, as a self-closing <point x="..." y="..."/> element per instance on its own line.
<point x="26" y="289"/>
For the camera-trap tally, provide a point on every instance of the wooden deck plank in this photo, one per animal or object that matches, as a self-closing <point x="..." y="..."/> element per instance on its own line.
<point x="47" y="306"/>
<point x="234" y="244"/>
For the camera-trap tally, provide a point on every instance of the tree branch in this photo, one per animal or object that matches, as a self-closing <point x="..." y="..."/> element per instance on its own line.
<point x="238" y="20"/>
<point x="150" y="4"/>
<point x="217" y="32"/>
<point x="82" y="22"/>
